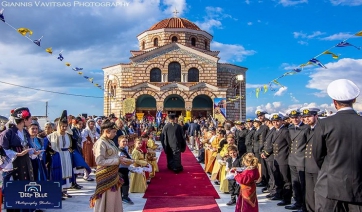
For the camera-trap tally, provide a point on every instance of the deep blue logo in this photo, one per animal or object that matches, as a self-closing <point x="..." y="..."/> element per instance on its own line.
<point x="33" y="195"/>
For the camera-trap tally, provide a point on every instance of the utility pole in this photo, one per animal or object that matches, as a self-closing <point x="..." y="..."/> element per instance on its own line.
<point x="46" y="110"/>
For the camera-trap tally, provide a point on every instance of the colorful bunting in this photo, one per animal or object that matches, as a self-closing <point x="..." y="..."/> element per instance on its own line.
<point x="49" y="50"/>
<point x="80" y="73"/>
<point x="25" y="31"/>
<point x="77" y="69"/>
<point x="2" y="15"/>
<point x="61" y="58"/>
<point x="316" y="62"/>
<point x="277" y="83"/>
<point x="68" y="64"/>
<point x="37" y="42"/>
<point x="265" y="88"/>
<point x="334" y="56"/>
<point x="90" y="80"/>
<point x="345" y="44"/>
<point x="257" y="91"/>
<point x="359" y="33"/>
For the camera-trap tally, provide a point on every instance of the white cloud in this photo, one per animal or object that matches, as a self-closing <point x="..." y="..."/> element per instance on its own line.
<point x="287" y="3"/>
<point x="209" y="24"/>
<point x="338" y="36"/>
<point x="345" y="68"/>
<point x="304" y="43"/>
<point x="248" y="85"/>
<point x="247" y="1"/>
<point x="287" y="66"/>
<point x="281" y="91"/>
<point x="250" y="23"/>
<point x="231" y="52"/>
<point x="295" y="100"/>
<point x="307" y="36"/>
<point x="346" y="2"/>
<point x="179" y="5"/>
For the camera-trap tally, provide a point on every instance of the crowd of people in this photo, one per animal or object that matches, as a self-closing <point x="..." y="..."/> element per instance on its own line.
<point x="293" y="155"/>
<point x="123" y="156"/>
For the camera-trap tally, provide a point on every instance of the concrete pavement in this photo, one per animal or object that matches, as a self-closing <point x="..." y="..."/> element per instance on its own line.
<point x="80" y="200"/>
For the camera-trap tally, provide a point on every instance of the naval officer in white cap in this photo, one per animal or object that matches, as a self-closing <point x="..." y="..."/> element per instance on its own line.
<point x="337" y="149"/>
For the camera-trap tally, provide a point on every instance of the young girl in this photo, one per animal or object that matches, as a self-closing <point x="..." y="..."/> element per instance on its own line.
<point x="151" y="155"/>
<point x="138" y="181"/>
<point x="247" y="201"/>
<point x="224" y="153"/>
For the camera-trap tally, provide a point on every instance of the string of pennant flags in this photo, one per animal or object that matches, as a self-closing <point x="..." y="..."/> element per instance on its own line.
<point x="262" y="89"/>
<point x="27" y="33"/>
<point x="313" y="61"/>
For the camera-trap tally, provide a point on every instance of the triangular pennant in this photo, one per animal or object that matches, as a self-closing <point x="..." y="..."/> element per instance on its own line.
<point x="90" y="80"/>
<point x="25" y="31"/>
<point x="37" y="42"/>
<point x="49" y="50"/>
<point x="80" y="73"/>
<point x="61" y="58"/>
<point x="77" y="69"/>
<point x="334" y="56"/>
<point x="265" y="88"/>
<point x="359" y="33"/>
<point x="257" y="92"/>
<point x="67" y="64"/>
<point x="2" y="15"/>
<point x="317" y="62"/>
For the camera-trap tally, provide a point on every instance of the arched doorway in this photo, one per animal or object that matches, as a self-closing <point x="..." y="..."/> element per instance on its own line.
<point x="174" y="104"/>
<point x="202" y="106"/>
<point x="146" y="104"/>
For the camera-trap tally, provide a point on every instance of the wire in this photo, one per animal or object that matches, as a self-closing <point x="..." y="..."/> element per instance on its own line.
<point x="37" y="89"/>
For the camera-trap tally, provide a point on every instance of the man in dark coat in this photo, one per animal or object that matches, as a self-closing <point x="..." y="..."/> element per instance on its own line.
<point x="298" y="135"/>
<point x="173" y="142"/>
<point x="240" y="135"/>
<point x="249" y="139"/>
<point x="281" y="142"/>
<point x="310" y="116"/>
<point x="269" y="159"/>
<point x="192" y="132"/>
<point x="337" y="150"/>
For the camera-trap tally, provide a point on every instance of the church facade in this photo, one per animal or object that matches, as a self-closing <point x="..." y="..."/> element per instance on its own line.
<point x="174" y="71"/>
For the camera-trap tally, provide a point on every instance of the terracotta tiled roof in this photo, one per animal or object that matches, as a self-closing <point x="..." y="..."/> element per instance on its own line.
<point x="175" y="22"/>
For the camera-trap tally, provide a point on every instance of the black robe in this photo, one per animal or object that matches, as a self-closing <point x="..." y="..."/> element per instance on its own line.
<point x="173" y="143"/>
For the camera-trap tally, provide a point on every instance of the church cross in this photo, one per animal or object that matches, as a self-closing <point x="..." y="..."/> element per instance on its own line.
<point x="175" y="12"/>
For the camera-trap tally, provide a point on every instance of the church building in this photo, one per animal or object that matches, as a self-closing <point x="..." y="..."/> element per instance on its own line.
<point x="174" y="71"/>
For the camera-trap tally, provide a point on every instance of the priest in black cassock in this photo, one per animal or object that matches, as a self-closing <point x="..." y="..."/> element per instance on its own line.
<point x="173" y="142"/>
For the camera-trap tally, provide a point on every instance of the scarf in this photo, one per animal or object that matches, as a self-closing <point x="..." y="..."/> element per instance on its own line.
<point x="107" y="178"/>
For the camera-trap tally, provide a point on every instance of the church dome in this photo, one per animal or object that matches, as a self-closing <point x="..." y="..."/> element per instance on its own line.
<point x="175" y="22"/>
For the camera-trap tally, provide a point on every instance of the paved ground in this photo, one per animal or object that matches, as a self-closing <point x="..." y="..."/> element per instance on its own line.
<point x="80" y="201"/>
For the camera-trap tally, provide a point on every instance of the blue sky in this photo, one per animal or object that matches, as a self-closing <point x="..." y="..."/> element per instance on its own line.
<point x="268" y="37"/>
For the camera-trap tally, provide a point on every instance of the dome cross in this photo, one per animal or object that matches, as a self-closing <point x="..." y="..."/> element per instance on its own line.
<point x="175" y="12"/>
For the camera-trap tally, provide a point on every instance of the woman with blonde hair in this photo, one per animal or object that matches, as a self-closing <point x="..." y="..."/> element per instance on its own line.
<point x="247" y="201"/>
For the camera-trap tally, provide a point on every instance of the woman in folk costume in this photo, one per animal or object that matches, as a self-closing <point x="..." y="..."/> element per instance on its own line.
<point x="57" y="144"/>
<point x="248" y="201"/>
<point x="216" y="148"/>
<point x="138" y="180"/>
<point x="107" y="196"/>
<point x="16" y="140"/>
<point x="224" y="153"/>
<point x="89" y="136"/>
<point x="38" y="164"/>
<point x="209" y="156"/>
<point x="151" y="155"/>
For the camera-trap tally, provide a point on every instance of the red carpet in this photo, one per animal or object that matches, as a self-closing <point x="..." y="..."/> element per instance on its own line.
<point x="193" y="181"/>
<point x="190" y="190"/>
<point x="163" y="204"/>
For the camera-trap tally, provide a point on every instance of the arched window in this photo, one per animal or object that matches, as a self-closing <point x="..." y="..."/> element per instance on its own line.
<point x="193" y="41"/>
<point x="155" y="75"/>
<point x="206" y="44"/>
<point x="112" y="85"/>
<point x="193" y="75"/>
<point x="155" y="42"/>
<point x="143" y="45"/>
<point x="174" y="39"/>
<point x="174" y="72"/>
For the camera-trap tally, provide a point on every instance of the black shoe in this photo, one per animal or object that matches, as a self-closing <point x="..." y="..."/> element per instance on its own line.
<point x="276" y="198"/>
<point x="293" y="207"/>
<point x="269" y="196"/>
<point x="127" y="200"/>
<point x="231" y="202"/>
<point x="265" y="190"/>
<point x="216" y="183"/>
<point x="63" y="198"/>
<point x="283" y="203"/>
<point x="300" y="210"/>
<point x="66" y="195"/>
<point x="76" y="186"/>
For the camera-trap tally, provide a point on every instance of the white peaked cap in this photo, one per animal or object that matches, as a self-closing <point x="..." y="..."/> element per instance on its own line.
<point x="343" y="90"/>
